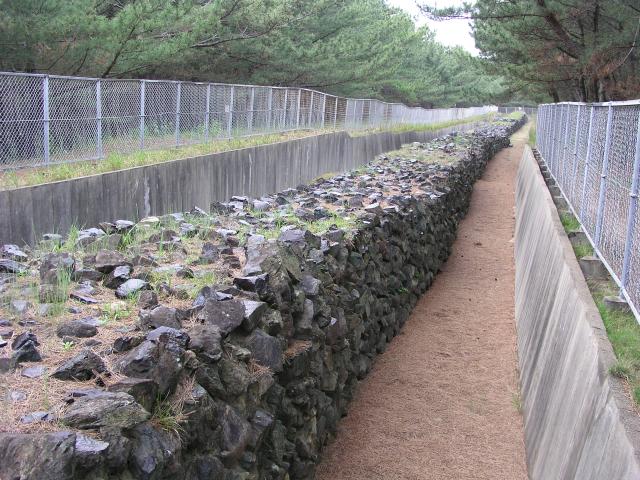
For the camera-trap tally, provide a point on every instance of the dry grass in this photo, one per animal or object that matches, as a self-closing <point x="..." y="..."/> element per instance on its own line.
<point x="117" y="161"/>
<point x="295" y="348"/>
<point x="258" y="371"/>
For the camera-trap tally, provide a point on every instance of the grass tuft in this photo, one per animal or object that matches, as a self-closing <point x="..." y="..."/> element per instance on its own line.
<point x="532" y="136"/>
<point x="569" y="222"/>
<point x="583" y="250"/>
<point x="411" y="127"/>
<point x="119" y="161"/>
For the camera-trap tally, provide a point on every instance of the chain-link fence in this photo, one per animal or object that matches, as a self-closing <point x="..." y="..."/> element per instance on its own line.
<point x="593" y="152"/>
<point x="508" y="109"/>
<point x="47" y="119"/>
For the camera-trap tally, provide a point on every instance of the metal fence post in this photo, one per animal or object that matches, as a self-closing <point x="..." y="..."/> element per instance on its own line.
<point x="251" y="104"/>
<point x="230" y="119"/>
<point x="99" y="119"/>
<point x="603" y="177"/>
<point x="310" y="112"/>
<point x="269" y="108"/>
<point x="575" y="152"/>
<point x="142" y="95"/>
<point x="552" y="126"/>
<point x="298" y="109"/>
<point x="550" y="115"/>
<point x="45" y="118"/>
<point x="207" y="113"/>
<point x="324" y="105"/>
<point x="178" y="94"/>
<point x="587" y="161"/>
<point x="557" y="121"/>
<point x="563" y="161"/>
<point x="541" y="132"/>
<point x="335" y="115"/>
<point x="284" y="113"/>
<point x="633" y="207"/>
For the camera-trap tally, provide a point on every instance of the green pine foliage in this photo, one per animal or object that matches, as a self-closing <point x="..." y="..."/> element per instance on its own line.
<point x="360" y="48"/>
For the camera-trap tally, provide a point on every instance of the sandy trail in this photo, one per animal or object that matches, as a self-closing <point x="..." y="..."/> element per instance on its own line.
<point x="441" y="402"/>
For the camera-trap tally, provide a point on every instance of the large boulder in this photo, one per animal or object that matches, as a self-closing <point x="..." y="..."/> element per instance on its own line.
<point x="108" y="409"/>
<point x="235" y="433"/>
<point x="160" y="316"/>
<point x="159" y="358"/>
<point x="37" y="456"/>
<point x="82" y="366"/>
<point x="108" y="260"/>
<point x="265" y="349"/>
<point x="82" y="328"/>
<point x="206" y="342"/>
<point x="227" y="315"/>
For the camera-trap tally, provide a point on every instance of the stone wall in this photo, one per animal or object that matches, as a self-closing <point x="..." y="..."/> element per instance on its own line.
<point x="263" y="370"/>
<point x="178" y="185"/>
<point x="579" y="421"/>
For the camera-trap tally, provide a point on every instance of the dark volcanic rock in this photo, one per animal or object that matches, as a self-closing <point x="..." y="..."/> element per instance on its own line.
<point x="266" y="349"/>
<point x="144" y="390"/>
<point x="159" y="358"/>
<point x="37" y="455"/>
<point x="77" y="328"/>
<point x="117" y="277"/>
<point x="148" y="299"/>
<point x="11" y="266"/>
<point x="255" y="283"/>
<point x="110" y="409"/>
<point x="108" y="260"/>
<point x="36" y="417"/>
<point x="126" y="343"/>
<point x="82" y="366"/>
<point x="227" y="315"/>
<point x="131" y="287"/>
<point x="206" y="342"/>
<point x="253" y="312"/>
<point x="235" y="433"/>
<point x="152" y="452"/>
<point x="160" y="316"/>
<point x="89" y="452"/>
<point x="23" y="338"/>
<point x="13" y="252"/>
<point x="26" y="353"/>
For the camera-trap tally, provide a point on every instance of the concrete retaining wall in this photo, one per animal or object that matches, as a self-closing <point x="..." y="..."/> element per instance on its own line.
<point x="579" y="422"/>
<point x="175" y="186"/>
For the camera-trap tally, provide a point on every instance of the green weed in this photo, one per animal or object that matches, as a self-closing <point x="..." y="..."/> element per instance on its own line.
<point x="114" y="312"/>
<point x="583" y="250"/>
<point x="569" y="222"/>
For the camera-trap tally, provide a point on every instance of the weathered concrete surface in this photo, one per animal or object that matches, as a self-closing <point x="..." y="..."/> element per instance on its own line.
<point x="579" y="422"/>
<point x="26" y="213"/>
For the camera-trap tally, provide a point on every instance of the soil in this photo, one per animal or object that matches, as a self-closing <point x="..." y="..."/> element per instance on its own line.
<point x="442" y="402"/>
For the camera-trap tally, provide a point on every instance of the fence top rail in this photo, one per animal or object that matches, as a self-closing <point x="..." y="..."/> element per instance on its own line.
<point x="596" y="104"/>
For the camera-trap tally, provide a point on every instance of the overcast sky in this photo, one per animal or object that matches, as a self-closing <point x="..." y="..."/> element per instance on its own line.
<point x="448" y="32"/>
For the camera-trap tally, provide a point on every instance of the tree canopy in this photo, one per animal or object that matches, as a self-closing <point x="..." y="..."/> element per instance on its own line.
<point x="360" y="48"/>
<point x="583" y="50"/>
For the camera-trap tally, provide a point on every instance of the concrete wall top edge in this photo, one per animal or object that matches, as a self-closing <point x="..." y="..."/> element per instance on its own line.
<point x="246" y="150"/>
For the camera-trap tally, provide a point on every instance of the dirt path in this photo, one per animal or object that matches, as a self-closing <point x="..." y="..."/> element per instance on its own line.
<point x="441" y="402"/>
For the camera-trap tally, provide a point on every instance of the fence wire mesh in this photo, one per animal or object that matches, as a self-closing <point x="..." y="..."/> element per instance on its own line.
<point x="593" y="152"/>
<point x="528" y="110"/>
<point x="52" y="119"/>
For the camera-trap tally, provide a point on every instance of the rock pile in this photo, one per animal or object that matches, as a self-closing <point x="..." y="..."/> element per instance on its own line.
<point x="249" y="378"/>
